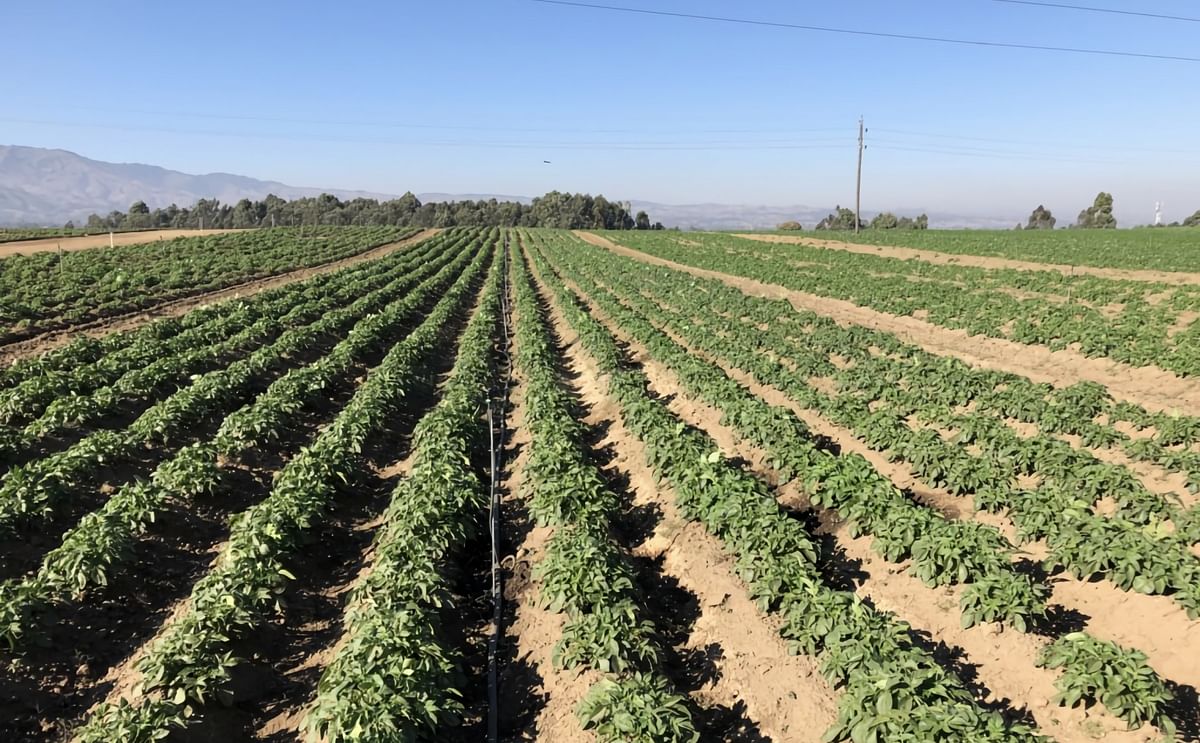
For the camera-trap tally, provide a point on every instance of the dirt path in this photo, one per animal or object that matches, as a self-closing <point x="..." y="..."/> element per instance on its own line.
<point x="69" y="244"/>
<point x="538" y="698"/>
<point x="1179" y="278"/>
<point x="52" y="339"/>
<point x="1151" y="387"/>
<point x="739" y="668"/>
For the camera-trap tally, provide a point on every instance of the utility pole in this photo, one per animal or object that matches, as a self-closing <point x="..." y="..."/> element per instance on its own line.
<point x="858" y="185"/>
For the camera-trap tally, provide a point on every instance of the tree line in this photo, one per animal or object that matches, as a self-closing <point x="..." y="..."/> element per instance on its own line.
<point x="844" y="219"/>
<point x="554" y="209"/>
<point x="1097" y="216"/>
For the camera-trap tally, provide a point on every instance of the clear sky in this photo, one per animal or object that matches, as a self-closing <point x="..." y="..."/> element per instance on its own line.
<point x="472" y="96"/>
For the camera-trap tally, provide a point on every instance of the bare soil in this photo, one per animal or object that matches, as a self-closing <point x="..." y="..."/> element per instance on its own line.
<point x="1154" y="388"/>
<point x="1181" y="278"/>
<point x="51" y="339"/>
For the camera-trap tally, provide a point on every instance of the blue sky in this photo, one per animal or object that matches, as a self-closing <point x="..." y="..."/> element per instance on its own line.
<point x="472" y="96"/>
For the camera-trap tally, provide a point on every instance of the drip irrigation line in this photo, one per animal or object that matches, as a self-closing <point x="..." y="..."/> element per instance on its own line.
<point x="497" y="440"/>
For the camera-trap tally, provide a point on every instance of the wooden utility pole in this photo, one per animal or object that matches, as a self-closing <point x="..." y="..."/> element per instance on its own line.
<point x="858" y="185"/>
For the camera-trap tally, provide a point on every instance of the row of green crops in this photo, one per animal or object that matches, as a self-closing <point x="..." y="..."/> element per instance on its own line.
<point x="102" y="540"/>
<point x="1144" y="546"/>
<point x="1094" y="670"/>
<point x="151" y="369"/>
<point x="943" y="551"/>
<point x="12" y="234"/>
<point x="45" y="291"/>
<point x="1162" y="250"/>
<point x="397" y="674"/>
<point x="891" y="688"/>
<point x="189" y="664"/>
<point x="1136" y="323"/>
<point x="584" y="573"/>
<point x="37" y="489"/>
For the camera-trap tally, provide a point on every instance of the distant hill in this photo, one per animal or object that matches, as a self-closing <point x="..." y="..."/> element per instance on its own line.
<point x="48" y="187"/>
<point x="758" y="217"/>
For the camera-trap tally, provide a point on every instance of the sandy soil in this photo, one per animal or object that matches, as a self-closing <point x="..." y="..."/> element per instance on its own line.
<point x="67" y="244"/>
<point x="51" y="339"/>
<point x="978" y="261"/>
<point x="538" y="699"/>
<point x="1153" y="388"/>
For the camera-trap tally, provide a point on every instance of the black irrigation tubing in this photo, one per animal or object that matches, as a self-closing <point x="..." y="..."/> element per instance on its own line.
<point x="497" y="435"/>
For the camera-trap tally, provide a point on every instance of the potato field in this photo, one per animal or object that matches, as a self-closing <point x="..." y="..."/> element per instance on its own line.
<point x="471" y="484"/>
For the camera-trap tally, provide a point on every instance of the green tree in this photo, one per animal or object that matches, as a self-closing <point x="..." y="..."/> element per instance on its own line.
<point x="1041" y="219"/>
<point x="885" y="221"/>
<point x="642" y="221"/>
<point x="1099" y="215"/>
<point x="841" y="219"/>
<point x="138" y="217"/>
<point x="1193" y="221"/>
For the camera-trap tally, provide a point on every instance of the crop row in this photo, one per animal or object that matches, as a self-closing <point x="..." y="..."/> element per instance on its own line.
<point x="190" y="661"/>
<point x="878" y="392"/>
<point x="1163" y="250"/>
<point x="156" y="359"/>
<point x="944" y="551"/>
<point x="37" y="489"/>
<point x="101" y="541"/>
<point x="892" y="689"/>
<point x="397" y="674"/>
<point x="1002" y="304"/>
<point x="1094" y="670"/>
<point x="584" y="572"/>
<point x="47" y="290"/>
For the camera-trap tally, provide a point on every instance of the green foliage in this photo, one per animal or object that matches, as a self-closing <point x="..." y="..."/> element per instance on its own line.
<point x="639" y="708"/>
<point x="1041" y="219"/>
<point x="1099" y="671"/>
<point x="189" y="664"/>
<point x="1004" y="597"/>
<point x="774" y="553"/>
<point x="840" y="219"/>
<point x="553" y="209"/>
<point x="44" y="291"/>
<point x="1099" y="215"/>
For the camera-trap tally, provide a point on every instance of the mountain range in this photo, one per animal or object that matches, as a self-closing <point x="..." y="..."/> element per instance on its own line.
<point x="48" y="187"/>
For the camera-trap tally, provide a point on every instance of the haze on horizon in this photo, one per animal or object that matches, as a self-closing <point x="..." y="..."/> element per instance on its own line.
<point x="474" y="96"/>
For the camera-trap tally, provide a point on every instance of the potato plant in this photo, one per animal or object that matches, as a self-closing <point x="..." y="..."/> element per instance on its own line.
<point x="776" y="556"/>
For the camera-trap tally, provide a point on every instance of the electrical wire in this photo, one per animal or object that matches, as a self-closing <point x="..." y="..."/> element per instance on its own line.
<point x="995" y="155"/>
<point x="452" y="127"/>
<point x="1042" y="143"/>
<point x="813" y="144"/>
<point x="876" y="34"/>
<point x="1090" y="9"/>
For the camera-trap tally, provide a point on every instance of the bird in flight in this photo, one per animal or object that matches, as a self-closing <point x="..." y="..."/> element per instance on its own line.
<point x="546" y="161"/>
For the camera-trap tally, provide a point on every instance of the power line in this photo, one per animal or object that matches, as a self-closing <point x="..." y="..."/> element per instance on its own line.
<point x="418" y="125"/>
<point x="1089" y="9"/>
<point x="876" y="34"/>
<point x="1042" y="143"/>
<point x="812" y="144"/>
<point x="992" y="155"/>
